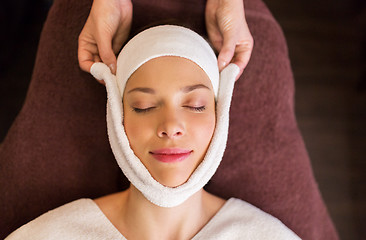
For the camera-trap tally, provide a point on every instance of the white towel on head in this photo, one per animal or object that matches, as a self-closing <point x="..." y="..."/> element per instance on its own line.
<point x="131" y="166"/>
<point x="167" y="40"/>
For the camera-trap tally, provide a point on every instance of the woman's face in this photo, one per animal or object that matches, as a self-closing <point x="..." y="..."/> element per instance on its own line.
<point x="169" y="117"/>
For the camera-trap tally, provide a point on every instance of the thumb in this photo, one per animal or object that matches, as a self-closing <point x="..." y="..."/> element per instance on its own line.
<point x="105" y="51"/>
<point x="227" y="51"/>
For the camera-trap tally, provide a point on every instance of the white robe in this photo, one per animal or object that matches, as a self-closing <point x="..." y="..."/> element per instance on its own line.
<point x="83" y="219"/>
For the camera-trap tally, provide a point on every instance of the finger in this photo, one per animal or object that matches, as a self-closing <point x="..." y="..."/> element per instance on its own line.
<point x="214" y="35"/>
<point x="215" y="39"/>
<point x="106" y="52"/>
<point x="86" y="54"/>
<point x="227" y="52"/>
<point x="242" y="55"/>
<point x="97" y="58"/>
<point x="242" y="59"/>
<point x="86" y="60"/>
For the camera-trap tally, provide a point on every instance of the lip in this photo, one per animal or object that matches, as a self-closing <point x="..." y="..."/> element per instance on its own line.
<point x="171" y="155"/>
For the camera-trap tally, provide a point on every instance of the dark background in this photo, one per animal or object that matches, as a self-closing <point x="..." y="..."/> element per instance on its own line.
<point x="327" y="47"/>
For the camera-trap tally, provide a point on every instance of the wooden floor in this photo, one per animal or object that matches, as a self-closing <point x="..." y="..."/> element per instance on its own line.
<point x="327" y="48"/>
<point x="326" y="41"/>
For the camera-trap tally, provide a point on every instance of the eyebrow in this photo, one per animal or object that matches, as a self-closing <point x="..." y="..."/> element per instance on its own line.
<point x="142" y="89"/>
<point x="186" y="89"/>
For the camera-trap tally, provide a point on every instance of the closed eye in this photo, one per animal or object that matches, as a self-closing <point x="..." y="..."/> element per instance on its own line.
<point x="142" y="110"/>
<point x="197" y="109"/>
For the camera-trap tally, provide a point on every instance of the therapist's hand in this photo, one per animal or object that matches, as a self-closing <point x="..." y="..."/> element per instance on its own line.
<point x="104" y="32"/>
<point x="228" y="32"/>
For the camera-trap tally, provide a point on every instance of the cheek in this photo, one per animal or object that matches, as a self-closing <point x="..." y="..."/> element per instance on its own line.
<point x="131" y="130"/>
<point x="137" y="131"/>
<point x="204" y="129"/>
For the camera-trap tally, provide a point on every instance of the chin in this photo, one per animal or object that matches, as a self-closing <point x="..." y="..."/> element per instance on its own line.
<point x="172" y="182"/>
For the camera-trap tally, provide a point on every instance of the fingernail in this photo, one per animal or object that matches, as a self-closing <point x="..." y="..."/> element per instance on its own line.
<point x="222" y="64"/>
<point x="113" y="68"/>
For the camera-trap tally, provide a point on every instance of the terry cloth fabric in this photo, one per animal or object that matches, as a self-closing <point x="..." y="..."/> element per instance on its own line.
<point x="167" y="40"/>
<point x="82" y="219"/>
<point x="265" y="161"/>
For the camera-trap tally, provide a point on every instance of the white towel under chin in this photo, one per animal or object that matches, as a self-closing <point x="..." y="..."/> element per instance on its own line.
<point x="131" y="166"/>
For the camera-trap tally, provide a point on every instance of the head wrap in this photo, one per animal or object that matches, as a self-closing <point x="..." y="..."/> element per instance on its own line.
<point x="166" y="40"/>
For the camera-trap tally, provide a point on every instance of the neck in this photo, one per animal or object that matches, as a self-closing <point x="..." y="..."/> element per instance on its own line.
<point x="180" y="222"/>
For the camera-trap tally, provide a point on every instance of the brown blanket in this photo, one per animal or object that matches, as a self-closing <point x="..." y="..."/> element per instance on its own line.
<point x="57" y="149"/>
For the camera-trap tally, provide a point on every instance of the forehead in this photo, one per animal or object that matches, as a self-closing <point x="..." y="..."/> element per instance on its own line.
<point x="168" y="71"/>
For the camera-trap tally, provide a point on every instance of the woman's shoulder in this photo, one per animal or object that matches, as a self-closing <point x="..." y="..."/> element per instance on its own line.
<point x="238" y="219"/>
<point x="77" y="218"/>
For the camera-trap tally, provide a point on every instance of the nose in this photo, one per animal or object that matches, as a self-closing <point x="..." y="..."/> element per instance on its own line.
<point x="170" y="125"/>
